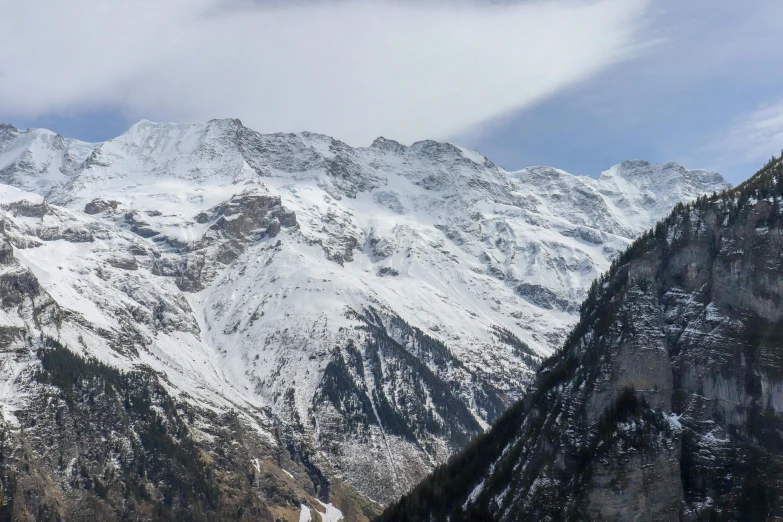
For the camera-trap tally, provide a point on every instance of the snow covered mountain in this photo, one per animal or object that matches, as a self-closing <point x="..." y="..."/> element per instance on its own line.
<point x="369" y="310"/>
<point x="666" y="401"/>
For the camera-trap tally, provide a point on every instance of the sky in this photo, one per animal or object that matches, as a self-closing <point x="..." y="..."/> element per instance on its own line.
<point x="575" y="84"/>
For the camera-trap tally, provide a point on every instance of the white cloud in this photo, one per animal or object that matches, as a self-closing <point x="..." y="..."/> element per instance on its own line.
<point x="353" y="69"/>
<point x="754" y="137"/>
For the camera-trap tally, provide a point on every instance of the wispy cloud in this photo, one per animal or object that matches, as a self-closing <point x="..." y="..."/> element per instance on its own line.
<point x="354" y="69"/>
<point x="753" y="138"/>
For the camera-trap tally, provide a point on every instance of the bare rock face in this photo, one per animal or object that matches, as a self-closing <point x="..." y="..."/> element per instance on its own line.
<point x="99" y="206"/>
<point x="244" y="219"/>
<point x="124" y="262"/>
<point x="541" y="296"/>
<point x="248" y="214"/>
<point x="28" y="209"/>
<point x="666" y="401"/>
<point x="628" y="483"/>
<point x="138" y="226"/>
<point x="6" y="252"/>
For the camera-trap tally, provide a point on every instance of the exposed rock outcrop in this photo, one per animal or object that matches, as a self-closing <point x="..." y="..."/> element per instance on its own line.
<point x="98" y="206"/>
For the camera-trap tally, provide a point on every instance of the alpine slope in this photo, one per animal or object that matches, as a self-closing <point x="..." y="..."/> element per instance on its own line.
<point x="365" y="311"/>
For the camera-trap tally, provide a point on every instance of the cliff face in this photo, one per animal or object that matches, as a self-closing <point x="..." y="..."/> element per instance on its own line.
<point x="666" y="401"/>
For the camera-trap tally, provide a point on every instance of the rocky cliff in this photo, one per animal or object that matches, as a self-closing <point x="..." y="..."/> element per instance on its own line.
<point x="666" y="401"/>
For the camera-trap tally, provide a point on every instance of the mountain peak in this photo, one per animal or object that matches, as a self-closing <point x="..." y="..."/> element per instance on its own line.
<point x="661" y="177"/>
<point x="634" y="164"/>
<point x="233" y="122"/>
<point x="433" y="147"/>
<point x="381" y="143"/>
<point x="320" y="284"/>
<point x="10" y="131"/>
<point x="657" y="406"/>
<point x="7" y="133"/>
<point x="145" y="125"/>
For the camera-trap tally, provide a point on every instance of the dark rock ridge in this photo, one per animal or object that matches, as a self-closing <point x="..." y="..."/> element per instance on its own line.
<point x="666" y="401"/>
<point x="98" y="206"/>
<point x="381" y="384"/>
<point x="252" y="213"/>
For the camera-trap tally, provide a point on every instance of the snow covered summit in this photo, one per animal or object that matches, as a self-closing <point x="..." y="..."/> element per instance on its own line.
<point x="378" y="305"/>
